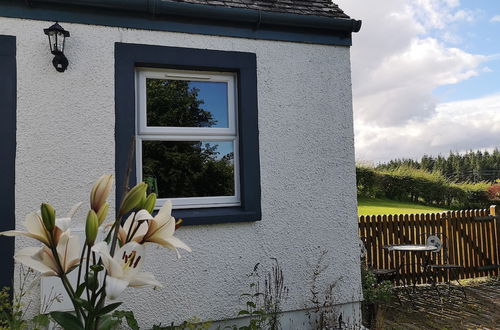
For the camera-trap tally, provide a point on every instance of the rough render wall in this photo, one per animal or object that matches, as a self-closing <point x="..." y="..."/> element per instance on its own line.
<point x="65" y="140"/>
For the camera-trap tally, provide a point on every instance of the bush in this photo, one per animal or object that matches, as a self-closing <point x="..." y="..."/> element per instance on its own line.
<point x="406" y="183"/>
<point x="471" y="195"/>
<point x="494" y="193"/>
<point x="366" y="181"/>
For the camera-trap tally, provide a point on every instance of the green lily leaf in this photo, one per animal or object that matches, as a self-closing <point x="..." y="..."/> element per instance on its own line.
<point x="107" y="323"/>
<point x="129" y="317"/>
<point x="80" y="289"/>
<point x="67" y="320"/>
<point x="108" y="309"/>
<point x="85" y="304"/>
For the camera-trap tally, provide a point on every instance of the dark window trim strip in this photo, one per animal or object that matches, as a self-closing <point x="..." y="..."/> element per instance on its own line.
<point x="245" y="23"/>
<point x="7" y="154"/>
<point x="130" y="56"/>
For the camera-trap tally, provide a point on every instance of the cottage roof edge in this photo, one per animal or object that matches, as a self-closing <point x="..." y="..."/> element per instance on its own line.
<point x="301" y="7"/>
<point x="186" y="17"/>
<point x="330" y="17"/>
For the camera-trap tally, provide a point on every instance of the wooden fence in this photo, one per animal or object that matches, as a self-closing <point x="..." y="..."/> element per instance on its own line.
<point x="472" y="240"/>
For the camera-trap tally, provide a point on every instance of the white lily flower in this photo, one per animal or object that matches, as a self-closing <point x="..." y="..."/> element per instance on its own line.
<point x="100" y="192"/>
<point x="135" y="227"/>
<point x="124" y="268"/>
<point x="64" y="223"/>
<point x="42" y="259"/>
<point x="36" y="229"/>
<point x="161" y="230"/>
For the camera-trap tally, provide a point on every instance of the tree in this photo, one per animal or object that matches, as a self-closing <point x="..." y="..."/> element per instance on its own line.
<point x="472" y="166"/>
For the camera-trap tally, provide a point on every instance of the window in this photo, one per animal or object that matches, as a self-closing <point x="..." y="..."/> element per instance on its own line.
<point x="193" y="116"/>
<point x="187" y="141"/>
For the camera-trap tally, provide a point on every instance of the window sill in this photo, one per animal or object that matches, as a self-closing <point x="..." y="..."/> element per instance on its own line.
<point x="215" y="215"/>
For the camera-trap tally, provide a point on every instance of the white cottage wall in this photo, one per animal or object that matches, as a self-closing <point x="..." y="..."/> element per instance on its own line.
<point x="65" y="140"/>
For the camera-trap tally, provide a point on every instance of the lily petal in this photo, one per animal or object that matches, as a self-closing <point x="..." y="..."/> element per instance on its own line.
<point x="32" y="257"/>
<point x="167" y="227"/>
<point x="42" y="239"/>
<point x="131" y="257"/>
<point x="63" y="223"/>
<point x="135" y="223"/>
<point x="125" y="228"/>
<point x="144" y="279"/>
<point x="115" y="286"/>
<point x="143" y="215"/>
<point x="74" y="209"/>
<point x="172" y="243"/>
<point x="165" y="211"/>
<point x="111" y="265"/>
<point x="34" y="223"/>
<point x="68" y="250"/>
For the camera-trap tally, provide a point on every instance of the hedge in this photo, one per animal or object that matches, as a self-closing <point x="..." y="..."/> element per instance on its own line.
<point x="419" y="186"/>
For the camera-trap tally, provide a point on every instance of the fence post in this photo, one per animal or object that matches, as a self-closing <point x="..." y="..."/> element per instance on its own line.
<point x="495" y="212"/>
<point x="450" y="235"/>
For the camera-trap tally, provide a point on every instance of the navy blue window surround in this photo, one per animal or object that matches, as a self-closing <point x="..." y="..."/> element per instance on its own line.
<point x="130" y="56"/>
<point x="7" y="154"/>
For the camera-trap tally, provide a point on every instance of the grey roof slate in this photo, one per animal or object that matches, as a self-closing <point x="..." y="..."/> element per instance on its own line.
<point x="300" y="7"/>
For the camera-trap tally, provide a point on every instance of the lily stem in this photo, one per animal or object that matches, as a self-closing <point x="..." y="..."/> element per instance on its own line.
<point x="87" y="273"/>
<point x="115" y="234"/>
<point x="80" y="267"/>
<point x="65" y="282"/>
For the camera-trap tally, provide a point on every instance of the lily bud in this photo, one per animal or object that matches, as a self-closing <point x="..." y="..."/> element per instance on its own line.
<point x="91" y="227"/>
<point x="103" y="213"/>
<point x="133" y="198"/>
<point x="149" y="204"/>
<point x="100" y="192"/>
<point x="91" y="281"/>
<point x="48" y="216"/>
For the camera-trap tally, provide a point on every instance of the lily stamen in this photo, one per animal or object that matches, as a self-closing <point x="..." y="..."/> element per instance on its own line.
<point x="137" y="261"/>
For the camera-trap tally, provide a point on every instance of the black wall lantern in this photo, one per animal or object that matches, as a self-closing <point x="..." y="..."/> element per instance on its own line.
<point x="57" y="36"/>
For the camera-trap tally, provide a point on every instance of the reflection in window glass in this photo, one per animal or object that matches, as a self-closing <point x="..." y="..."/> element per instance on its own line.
<point x="189" y="168"/>
<point x="181" y="103"/>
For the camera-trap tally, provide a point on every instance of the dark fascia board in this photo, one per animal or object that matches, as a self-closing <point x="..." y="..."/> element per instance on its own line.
<point x="189" y="18"/>
<point x="7" y="154"/>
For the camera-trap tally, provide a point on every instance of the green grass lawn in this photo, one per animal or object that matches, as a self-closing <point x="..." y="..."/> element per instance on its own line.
<point x="367" y="206"/>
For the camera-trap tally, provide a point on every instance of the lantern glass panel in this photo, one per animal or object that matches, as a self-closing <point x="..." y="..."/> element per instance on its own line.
<point x="52" y="41"/>
<point x="59" y="42"/>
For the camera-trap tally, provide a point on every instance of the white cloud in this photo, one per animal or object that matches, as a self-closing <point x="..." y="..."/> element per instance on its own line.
<point x="399" y="57"/>
<point x="495" y="18"/>
<point x="435" y="14"/>
<point x="451" y="38"/>
<point x="455" y="126"/>
<point x="396" y="66"/>
<point x="400" y="88"/>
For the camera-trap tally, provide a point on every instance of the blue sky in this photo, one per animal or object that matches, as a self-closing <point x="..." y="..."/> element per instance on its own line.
<point x="480" y="36"/>
<point x="426" y="77"/>
<point x="214" y="96"/>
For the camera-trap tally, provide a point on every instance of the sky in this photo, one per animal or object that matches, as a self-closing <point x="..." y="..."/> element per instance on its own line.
<point x="426" y="77"/>
<point x="214" y="97"/>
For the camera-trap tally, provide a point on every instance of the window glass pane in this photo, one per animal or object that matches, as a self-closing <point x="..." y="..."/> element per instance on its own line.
<point x="189" y="168"/>
<point x="181" y="103"/>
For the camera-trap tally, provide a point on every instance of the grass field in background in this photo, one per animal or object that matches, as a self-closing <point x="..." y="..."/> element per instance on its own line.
<point x="367" y="206"/>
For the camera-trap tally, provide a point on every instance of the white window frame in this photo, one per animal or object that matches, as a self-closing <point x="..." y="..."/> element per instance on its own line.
<point x="155" y="133"/>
